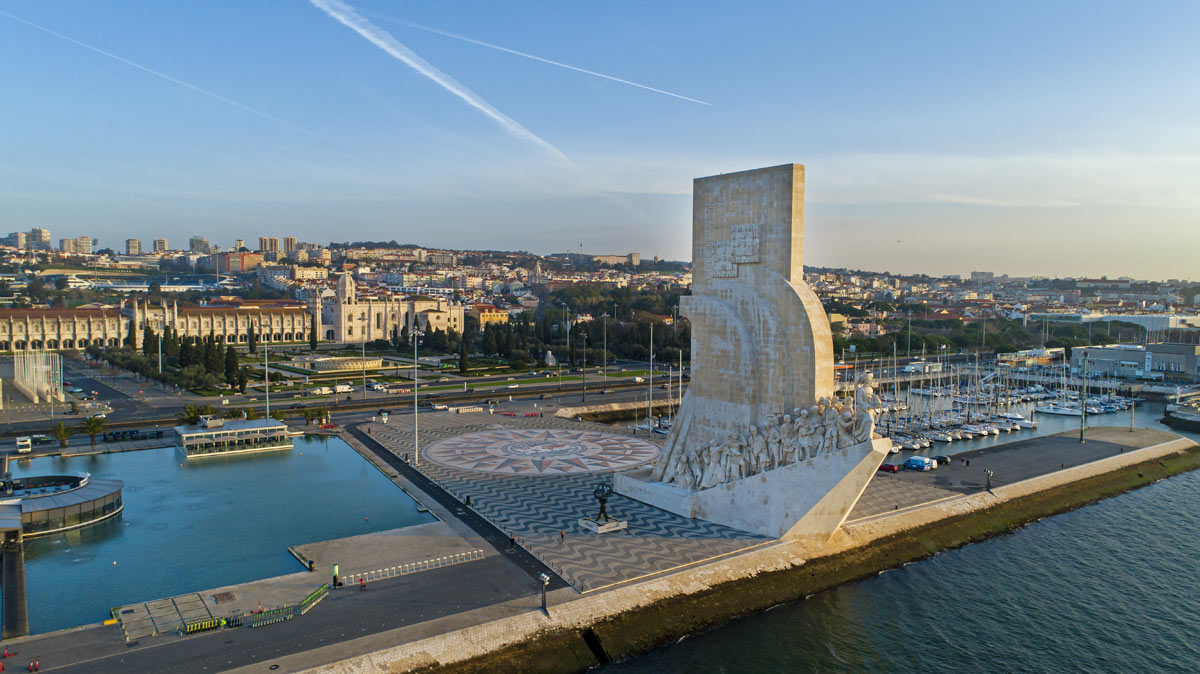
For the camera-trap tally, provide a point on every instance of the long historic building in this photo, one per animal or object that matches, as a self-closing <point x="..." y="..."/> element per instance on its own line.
<point x="229" y="322"/>
<point x="22" y="329"/>
<point x="349" y="319"/>
<point x="352" y="319"/>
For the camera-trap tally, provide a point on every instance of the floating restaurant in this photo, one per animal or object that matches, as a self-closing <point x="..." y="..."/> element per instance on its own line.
<point x="218" y="437"/>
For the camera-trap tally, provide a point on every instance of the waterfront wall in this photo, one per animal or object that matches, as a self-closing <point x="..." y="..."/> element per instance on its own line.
<point x="640" y="616"/>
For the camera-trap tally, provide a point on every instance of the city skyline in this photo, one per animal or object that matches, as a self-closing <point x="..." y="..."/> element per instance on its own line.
<point x="940" y="139"/>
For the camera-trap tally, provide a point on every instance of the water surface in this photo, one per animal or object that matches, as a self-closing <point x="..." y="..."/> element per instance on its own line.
<point x="195" y="525"/>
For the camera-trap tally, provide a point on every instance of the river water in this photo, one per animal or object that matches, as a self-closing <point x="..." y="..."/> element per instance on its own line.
<point x="1111" y="587"/>
<point x="194" y="525"/>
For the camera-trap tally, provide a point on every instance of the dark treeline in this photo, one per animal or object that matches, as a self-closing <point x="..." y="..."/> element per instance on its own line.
<point x="187" y="362"/>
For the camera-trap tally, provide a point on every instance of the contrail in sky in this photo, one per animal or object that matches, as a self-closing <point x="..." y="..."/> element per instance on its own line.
<point x="164" y="76"/>
<point x="514" y="52"/>
<point x="384" y="40"/>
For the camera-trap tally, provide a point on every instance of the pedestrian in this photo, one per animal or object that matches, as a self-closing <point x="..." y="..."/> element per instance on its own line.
<point x="362" y="583"/>
<point x="562" y="536"/>
<point x="37" y="664"/>
<point x="968" y="463"/>
<point x="512" y="543"/>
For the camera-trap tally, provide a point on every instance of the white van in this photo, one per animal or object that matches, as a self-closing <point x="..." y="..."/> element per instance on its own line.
<point x="343" y="388"/>
<point x="320" y="391"/>
<point x="24" y="444"/>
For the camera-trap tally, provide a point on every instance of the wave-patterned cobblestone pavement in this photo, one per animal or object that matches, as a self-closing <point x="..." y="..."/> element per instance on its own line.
<point x="537" y="510"/>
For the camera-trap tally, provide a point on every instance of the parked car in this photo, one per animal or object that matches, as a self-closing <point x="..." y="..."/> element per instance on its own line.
<point x="943" y="460"/>
<point x="890" y="468"/>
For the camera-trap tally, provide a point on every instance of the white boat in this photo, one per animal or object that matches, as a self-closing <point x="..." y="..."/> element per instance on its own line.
<point x="1059" y="409"/>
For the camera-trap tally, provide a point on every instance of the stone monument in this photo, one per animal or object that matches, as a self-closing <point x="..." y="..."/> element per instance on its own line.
<point x="760" y="442"/>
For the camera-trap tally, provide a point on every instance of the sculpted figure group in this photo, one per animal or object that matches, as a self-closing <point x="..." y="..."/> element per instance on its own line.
<point x="783" y="439"/>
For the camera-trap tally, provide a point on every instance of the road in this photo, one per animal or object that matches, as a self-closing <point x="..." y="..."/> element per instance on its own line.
<point x="347" y="613"/>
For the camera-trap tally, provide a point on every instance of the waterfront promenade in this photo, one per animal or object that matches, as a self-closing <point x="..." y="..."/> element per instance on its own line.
<point x="477" y="606"/>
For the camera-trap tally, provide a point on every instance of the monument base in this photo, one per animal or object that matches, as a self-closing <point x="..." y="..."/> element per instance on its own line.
<point x="602" y="526"/>
<point x="806" y="499"/>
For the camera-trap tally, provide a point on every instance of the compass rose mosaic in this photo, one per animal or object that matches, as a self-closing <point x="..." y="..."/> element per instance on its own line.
<point x="543" y="451"/>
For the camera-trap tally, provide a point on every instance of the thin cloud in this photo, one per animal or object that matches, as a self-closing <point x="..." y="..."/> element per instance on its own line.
<point x="240" y="106"/>
<point x="348" y="17"/>
<point x="514" y="52"/>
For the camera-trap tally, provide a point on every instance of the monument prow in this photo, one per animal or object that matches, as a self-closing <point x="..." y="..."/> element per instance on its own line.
<point x="760" y="443"/>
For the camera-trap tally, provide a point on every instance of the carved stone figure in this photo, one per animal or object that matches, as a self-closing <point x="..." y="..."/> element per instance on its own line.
<point x="830" y="423"/>
<point x="758" y="447"/>
<point x="845" y="429"/>
<point x="774" y="446"/>
<point x="804" y="435"/>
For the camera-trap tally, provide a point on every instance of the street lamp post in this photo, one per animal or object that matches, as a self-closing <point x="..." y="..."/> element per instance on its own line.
<point x="605" y="354"/>
<point x="416" y="404"/>
<point x="585" y="367"/>
<point x="545" y="582"/>
<point x="364" y="357"/>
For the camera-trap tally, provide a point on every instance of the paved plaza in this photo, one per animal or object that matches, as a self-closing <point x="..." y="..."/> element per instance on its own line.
<point x="538" y="507"/>
<point x="1009" y="463"/>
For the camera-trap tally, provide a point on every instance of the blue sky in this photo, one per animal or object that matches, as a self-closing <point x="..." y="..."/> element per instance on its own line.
<point x="1030" y="138"/>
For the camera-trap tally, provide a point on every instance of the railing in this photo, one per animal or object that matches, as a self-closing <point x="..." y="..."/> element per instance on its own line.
<point x="415" y="567"/>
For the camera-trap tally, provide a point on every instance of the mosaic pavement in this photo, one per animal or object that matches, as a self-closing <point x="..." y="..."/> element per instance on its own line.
<point x="541" y="451"/>
<point x="536" y="508"/>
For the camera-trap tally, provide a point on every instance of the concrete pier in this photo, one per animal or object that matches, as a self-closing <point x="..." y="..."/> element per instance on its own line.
<point x="16" y="611"/>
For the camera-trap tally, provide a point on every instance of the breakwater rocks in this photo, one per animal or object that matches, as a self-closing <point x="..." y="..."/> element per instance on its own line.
<point x="643" y="628"/>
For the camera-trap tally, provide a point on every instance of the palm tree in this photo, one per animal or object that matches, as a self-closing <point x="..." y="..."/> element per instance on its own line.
<point x="92" y="426"/>
<point x="61" y="432"/>
<point x="309" y="413"/>
<point x="190" y="415"/>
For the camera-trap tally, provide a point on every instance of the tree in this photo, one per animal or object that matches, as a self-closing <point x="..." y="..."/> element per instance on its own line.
<point x="309" y="414"/>
<point x="243" y="379"/>
<point x="462" y="353"/>
<point x="62" y="433"/>
<point x="190" y="415"/>
<point x="231" y="366"/>
<point x="131" y="337"/>
<point x="149" y="342"/>
<point x="92" y="426"/>
<point x="312" y="333"/>
<point x="252" y="343"/>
